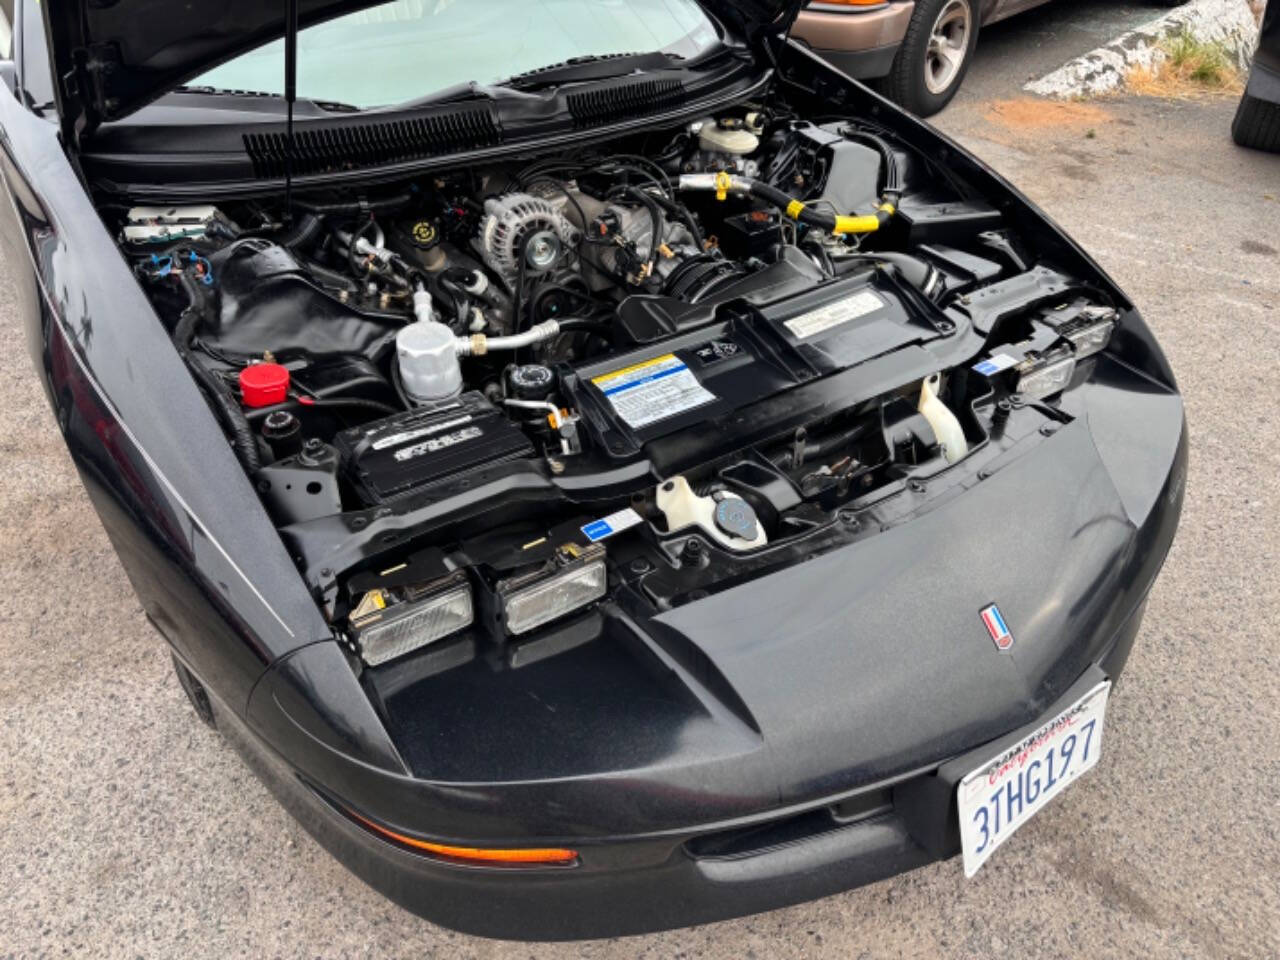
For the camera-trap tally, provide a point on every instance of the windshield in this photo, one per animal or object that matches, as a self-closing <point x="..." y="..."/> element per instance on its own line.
<point x="407" y="49"/>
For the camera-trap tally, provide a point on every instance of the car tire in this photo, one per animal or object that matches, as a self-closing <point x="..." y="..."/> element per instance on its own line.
<point x="196" y="693"/>
<point x="1257" y="124"/>
<point x="934" y="56"/>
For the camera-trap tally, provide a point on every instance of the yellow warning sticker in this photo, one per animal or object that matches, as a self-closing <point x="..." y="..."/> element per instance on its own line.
<point x="653" y="390"/>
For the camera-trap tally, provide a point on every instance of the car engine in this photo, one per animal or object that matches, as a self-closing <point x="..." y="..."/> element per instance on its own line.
<point x="627" y="322"/>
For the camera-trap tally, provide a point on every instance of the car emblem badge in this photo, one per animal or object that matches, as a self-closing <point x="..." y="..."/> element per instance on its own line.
<point x="996" y="626"/>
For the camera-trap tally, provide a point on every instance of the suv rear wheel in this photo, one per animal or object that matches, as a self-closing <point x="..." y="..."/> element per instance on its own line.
<point x="934" y="56"/>
<point x="1257" y="124"/>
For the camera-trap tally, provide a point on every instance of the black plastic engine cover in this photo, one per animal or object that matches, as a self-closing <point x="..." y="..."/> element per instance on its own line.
<point x="741" y="352"/>
<point x="400" y="455"/>
<point x="267" y="301"/>
<point x="648" y="319"/>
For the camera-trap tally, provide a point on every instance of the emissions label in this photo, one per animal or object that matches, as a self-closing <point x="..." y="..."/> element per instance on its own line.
<point x="653" y="390"/>
<point x="833" y="314"/>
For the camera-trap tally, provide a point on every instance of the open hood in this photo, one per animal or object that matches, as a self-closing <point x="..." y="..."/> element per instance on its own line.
<point x="112" y="57"/>
<point x="756" y="19"/>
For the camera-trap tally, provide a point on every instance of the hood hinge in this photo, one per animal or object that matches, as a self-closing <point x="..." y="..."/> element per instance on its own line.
<point x="86" y="84"/>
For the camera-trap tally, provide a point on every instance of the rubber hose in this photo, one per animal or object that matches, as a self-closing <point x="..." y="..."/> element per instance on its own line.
<point x="242" y="437"/>
<point x="917" y="273"/>
<point x="445" y="289"/>
<point x="348" y="207"/>
<point x="683" y="215"/>
<point x="828" y="445"/>
<point x="892" y="178"/>
<point x="723" y="183"/>
<point x="325" y="403"/>
<point x="825" y="221"/>
<point x="302" y="234"/>
<point x="326" y="276"/>
<point x="655" y="218"/>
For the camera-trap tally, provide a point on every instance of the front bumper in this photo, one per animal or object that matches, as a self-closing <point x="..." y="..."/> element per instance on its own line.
<point x="635" y="886"/>
<point x="859" y="41"/>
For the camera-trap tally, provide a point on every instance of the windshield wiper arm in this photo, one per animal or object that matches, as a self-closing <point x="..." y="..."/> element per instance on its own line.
<point x="590" y="68"/>
<point x="458" y="94"/>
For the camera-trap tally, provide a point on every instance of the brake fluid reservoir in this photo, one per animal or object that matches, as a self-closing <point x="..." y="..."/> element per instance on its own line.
<point x="719" y="137"/>
<point x="944" y="423"/>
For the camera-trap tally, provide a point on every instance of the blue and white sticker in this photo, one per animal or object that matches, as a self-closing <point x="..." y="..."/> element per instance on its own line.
<point x="614" y="523"/>
<point x="993" y="365"/>
<point x="653" y="390"/>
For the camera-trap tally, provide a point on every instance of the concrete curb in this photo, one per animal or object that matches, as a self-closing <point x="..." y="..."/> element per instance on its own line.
<point x="1103" y="70"/>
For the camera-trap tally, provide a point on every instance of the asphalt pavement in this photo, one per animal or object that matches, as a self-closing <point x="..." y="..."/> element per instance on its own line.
<point x="131" y="831"/>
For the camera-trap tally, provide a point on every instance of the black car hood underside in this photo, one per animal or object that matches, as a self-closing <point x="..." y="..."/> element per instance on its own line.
<point x="112" y="58"/>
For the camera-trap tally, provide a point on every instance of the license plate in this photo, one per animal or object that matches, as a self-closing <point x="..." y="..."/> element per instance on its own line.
<point x="1004" y="793"/>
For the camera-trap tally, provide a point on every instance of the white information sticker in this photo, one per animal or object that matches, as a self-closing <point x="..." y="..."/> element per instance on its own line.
<point x="614" y="523"/>
<point x="654" y="390"/>
<point x="997" y="364"/>
<point x="833" y="314"/>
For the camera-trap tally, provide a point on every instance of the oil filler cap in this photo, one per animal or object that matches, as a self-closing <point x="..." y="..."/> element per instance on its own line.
<point x="735" y="517"/>
<point x="264" y="384"/>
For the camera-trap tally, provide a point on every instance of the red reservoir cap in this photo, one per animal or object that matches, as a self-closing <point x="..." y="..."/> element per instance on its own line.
<point x="264" y="384"/>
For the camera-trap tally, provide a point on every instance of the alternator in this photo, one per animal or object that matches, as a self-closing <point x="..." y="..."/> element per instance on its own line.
<point x="518" y="223"/>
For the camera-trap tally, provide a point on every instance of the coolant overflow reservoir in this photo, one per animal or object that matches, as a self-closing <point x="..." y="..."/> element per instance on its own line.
<point x="945" y="425"/>
<point x="727" y="519"/>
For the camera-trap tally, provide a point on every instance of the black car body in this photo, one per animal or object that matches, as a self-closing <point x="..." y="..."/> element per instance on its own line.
<point x="733" y="725"/>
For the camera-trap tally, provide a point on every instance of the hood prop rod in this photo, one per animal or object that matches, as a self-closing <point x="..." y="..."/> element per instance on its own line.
<point x="290" y="95"/>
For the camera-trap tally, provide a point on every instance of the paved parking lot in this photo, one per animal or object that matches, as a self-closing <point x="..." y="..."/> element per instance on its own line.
<point x="130" y="831"/>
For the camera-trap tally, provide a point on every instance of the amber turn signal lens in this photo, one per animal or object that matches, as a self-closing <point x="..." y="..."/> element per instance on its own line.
<point x="546" y="856"/>
<point x="854" y="3"/>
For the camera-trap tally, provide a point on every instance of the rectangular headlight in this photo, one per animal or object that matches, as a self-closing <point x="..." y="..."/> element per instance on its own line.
<point x="1091" y="332"/>
<point x="387" y="630"/>
<point x="1044" y="376"/>
<point x="1086" y="326"/>
<point x="576" y="578"/>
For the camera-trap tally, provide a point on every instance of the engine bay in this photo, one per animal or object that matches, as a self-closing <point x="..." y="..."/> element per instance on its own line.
<point x="718" y="338"/>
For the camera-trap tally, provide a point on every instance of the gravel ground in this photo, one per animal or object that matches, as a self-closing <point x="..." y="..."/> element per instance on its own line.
<point x="130" y="831"/>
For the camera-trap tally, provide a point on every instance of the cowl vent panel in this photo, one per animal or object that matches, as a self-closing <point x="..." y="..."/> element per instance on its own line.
<point x="352" y="146"/>
<point x="618" y="101"/>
